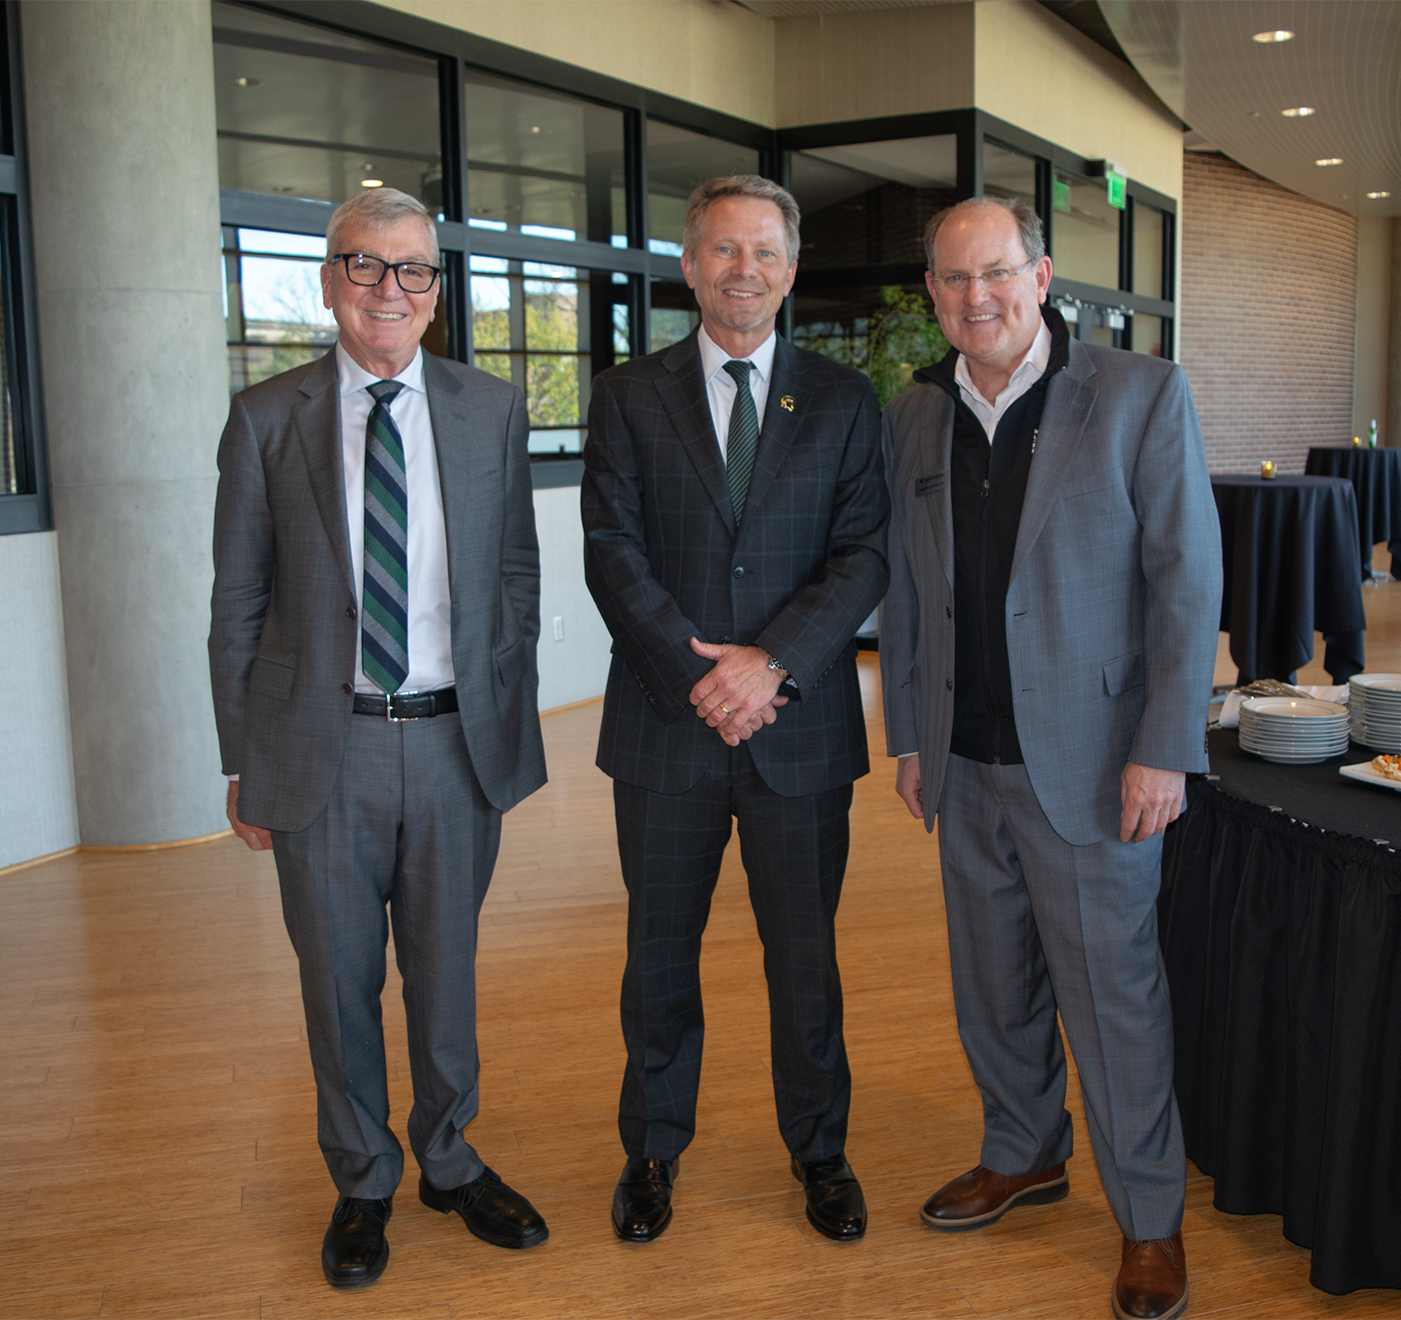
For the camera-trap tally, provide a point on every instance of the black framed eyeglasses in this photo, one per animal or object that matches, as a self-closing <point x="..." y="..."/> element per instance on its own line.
<point x="413" y="276"/>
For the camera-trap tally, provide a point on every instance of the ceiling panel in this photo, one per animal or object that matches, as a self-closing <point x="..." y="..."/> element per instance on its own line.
<point x="1344" y="62"/>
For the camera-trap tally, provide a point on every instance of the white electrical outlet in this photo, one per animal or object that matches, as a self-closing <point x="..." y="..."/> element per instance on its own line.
<point x="559" y="627"/>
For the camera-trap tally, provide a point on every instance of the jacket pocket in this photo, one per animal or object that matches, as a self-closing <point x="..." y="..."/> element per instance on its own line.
<point x="1123" y="674"/>
<point x="272" y="678"/>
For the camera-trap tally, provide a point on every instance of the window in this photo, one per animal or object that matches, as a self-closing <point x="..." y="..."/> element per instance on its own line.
<point x="543" y="164"/>
<point x="1084" y="231"/>
<point x="867" y="203"/>
<point x="677" y="161"/>
<point x="24" y="495"/>
<point x="303" y="112"/>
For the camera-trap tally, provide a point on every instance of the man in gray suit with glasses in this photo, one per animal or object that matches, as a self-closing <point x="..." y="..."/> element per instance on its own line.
<point x="1047" y="649"/>
<point x="375" y="614"/>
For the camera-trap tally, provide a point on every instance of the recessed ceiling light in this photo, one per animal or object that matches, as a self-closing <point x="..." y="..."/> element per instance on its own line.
<point x="372" y="183"/>
<point x="1298" y="112"/>
<point x="1375" y="195"/>
<point x="1269" y="38"/>
<point x="1329" y="160"/>
<point x="248" y="82"/>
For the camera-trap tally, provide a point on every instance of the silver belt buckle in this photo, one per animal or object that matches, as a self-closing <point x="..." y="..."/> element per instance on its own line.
<point x="389" y="707"/>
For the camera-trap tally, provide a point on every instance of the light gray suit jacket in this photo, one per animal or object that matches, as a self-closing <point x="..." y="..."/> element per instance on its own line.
<point x="282" y="648"/>
<point x="1115" y="595"/>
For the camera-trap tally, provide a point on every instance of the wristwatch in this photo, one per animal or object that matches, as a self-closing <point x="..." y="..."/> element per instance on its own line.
<point x="776" y="667"/>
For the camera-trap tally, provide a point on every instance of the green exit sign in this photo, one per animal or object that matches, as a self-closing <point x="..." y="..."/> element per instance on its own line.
<point x="1118" y="189"/>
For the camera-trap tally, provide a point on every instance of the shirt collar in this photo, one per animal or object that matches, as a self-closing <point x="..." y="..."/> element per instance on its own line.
<point x="352" y="376"/>
<point x="1037" y="356"/>
<point x="713" y="357"/>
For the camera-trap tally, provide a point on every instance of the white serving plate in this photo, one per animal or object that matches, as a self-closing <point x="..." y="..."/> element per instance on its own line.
<point x="1298" y="708"/>
<point x="1364" y="774"/>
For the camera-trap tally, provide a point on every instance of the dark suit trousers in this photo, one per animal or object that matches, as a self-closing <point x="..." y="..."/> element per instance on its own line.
<point x="794" y="851"/>
<point x="1036" y="926"/>
<point x="407" y="828"/>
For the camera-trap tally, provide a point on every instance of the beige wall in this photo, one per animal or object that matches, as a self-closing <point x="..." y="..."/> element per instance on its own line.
<point x="718" y="55"/>
<point x="1371" y="353"/>
<point x="1039" y="73"/>
<point x="832" y="67"/>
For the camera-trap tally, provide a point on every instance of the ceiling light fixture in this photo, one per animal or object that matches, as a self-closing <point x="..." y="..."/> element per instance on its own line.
<point x="1375" y="195"/>
<point x="1269" y="38"/>
<point x="1329" y="160"/>
<point x="372" y="183"/>
<point x="248" y="82"/>
<point x="1298" y="112"/>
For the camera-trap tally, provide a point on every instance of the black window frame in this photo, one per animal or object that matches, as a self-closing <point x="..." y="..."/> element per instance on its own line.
<point x="30" y="509"/>
<point x="459" y="53"/>
<point x="974" y="128"/>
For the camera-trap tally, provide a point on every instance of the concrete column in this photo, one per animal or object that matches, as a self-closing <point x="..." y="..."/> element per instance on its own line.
<point x="125" y="198"/>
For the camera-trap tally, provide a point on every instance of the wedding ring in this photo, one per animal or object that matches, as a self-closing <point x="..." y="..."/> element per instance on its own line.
<point x="726" y="709"/>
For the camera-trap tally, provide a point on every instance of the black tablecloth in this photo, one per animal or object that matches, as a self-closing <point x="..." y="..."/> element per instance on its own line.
<point x="1283" y="948"/>
<point x="1289" y="559"/>
<point x="1376" y="478"/>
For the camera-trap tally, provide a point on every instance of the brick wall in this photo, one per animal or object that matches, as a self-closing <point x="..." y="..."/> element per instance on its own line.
<point x="1267" y="289"/>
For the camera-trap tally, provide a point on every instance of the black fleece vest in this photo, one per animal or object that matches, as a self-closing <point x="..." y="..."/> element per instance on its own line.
<point x="987" y="484"/>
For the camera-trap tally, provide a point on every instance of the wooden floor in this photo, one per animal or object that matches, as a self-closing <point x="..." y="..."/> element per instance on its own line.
<point x="157" y="1115"/>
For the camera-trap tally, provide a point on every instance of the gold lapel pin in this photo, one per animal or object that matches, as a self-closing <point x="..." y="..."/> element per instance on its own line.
<point x="786" y="403"/>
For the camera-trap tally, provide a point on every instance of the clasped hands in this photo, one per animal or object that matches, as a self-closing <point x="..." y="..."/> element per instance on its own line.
<point x="740" y="694"/>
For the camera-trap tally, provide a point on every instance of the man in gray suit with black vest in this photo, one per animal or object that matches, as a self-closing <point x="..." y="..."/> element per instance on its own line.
<point x="735" y="516"/>
<point x="375" y="614"/>
<point x="1047" y="649"/>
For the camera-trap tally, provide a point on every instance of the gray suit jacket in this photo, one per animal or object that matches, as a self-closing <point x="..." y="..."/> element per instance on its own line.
<point x="666" y="562"/>
<point x="1114" y="601"/>
<point x="282" y="648"/>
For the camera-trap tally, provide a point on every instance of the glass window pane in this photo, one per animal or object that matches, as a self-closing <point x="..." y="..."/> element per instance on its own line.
<point x="677" y="161"/>
<point x="1147" y="251"/>
<point x="674" y="314"/>
<point x="311" y="113"/>
<point x="272" y="304"/>
<point x="867" y="204"/>
<point x="13" y="480"/>
<point x="888" y="333"/>
<point x="531" y="326"/>
<point x="1147" y="334"/>
<point x="1008" y="173"/>
<point x="542" y="163"/>
<point x="1084" y="231"/>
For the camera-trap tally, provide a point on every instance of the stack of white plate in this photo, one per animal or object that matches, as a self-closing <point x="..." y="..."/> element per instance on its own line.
<point x="1376" y="710"/>
<point x="1293" y="730"/>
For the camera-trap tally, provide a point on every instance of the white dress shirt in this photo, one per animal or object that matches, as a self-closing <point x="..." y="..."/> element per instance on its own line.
<point x="1031" y="368"/>
<point x="430" y="608"/>
<point x="720" y="385"/>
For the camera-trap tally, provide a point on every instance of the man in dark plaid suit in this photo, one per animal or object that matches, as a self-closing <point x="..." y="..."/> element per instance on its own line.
<point x="735" y="515"/>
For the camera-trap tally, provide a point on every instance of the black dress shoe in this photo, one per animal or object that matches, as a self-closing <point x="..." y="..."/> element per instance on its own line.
<point x="491" y="1211"/>
<point x="642" y="1201"/>
<point x="836" y="1208"/>
<point x="354" y="1252"/>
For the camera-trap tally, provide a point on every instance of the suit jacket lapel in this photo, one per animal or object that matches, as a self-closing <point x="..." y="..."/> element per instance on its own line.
<point x="936" y="460"/>
<point x="780" y="424"/>
<point x="681" y="389"/>
<point x="316" y="416"/>
<point x="1070" y="397"/>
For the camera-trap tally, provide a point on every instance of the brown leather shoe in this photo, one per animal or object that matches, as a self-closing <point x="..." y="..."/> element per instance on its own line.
<point x="981" y="1196"/>
<point x="1152" y="1282"/>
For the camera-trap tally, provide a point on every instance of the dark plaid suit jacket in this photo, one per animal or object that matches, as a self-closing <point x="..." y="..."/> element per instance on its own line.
<point x="665" y="563"/>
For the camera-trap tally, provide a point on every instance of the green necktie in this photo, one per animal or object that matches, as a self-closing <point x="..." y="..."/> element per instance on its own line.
<point x="743" y="441"/>
<point x="384" y="614"/>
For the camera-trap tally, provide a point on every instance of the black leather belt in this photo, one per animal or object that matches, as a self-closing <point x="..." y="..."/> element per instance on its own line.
<point x="406" y="705"/>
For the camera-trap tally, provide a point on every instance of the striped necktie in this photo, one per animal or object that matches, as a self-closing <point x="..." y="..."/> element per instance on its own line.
<point x="384" y="614"/>
<point x="743" y="441"/>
